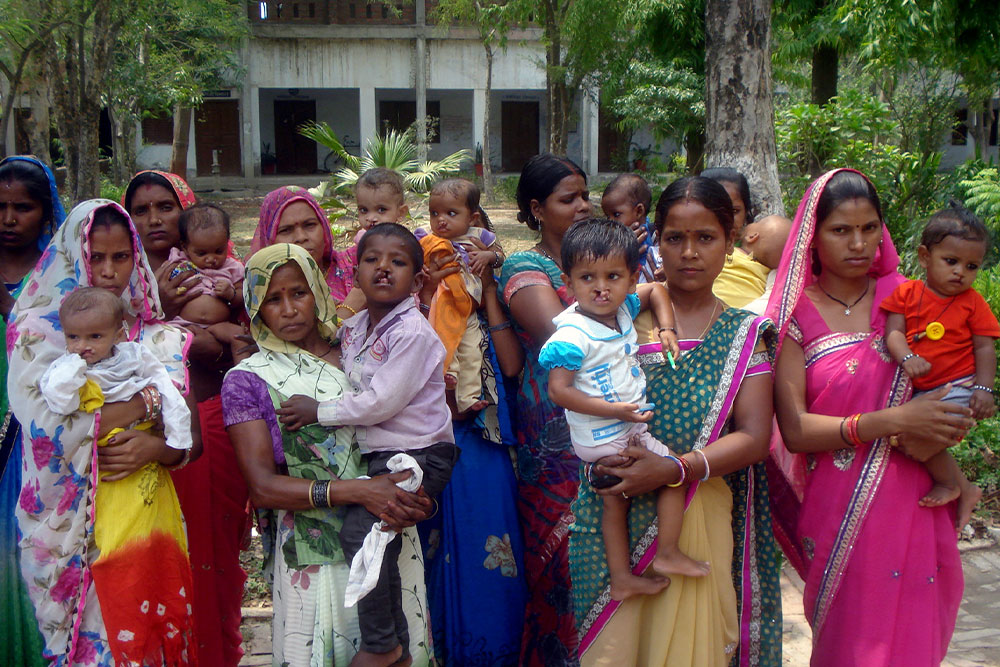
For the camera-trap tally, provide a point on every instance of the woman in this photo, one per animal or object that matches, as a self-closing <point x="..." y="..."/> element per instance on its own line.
<point x="293" y="322"/>
<point x="883" y="578"/>
<point x="292" y="215"/>
<point x="79" y="595"/>
<point x="212" y="491"/>
<point x="473" y="547"/>
<point x="30" y="212"/>
<point x="551" y="195"/>
<point x="714" y="412"/>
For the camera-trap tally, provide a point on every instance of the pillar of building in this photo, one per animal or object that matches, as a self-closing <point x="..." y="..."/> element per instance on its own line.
<point x="478" y="109"/>
<point x="367" y="117"/>
<point x="589" y="131"/>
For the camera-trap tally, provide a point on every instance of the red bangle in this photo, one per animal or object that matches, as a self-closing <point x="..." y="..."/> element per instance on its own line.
<point x="852" y="430"/>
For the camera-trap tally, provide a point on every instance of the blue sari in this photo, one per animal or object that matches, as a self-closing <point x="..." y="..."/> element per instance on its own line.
<point x="20" y="642"/>
<point x="473" y="551"/>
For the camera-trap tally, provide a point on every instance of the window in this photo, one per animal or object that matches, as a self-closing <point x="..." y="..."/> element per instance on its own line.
<point x="393" y="115"/>
<point x="960" y="129"/>
<point x="352" y="10"/>
<point x="993" y="127"/>
<point x="158" y="130"/>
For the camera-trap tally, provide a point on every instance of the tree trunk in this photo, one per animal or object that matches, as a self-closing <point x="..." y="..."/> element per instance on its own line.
<point x="555" y="83"/>
<point x="739" y="108"/>
<point x="39" y="122"/>
<point x="980" y="128"/>
<point x="694" y="146"/>
<point x="825" y="62"/>
<point x="123" y="144"/>
<point x="487" y="165"/>
<point x="182" y="130"/>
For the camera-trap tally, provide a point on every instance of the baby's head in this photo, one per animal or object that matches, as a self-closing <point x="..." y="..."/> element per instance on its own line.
<point x="381" y="197"/>
<point x="204" y="230"/>
<point x="952" y="249"/>
<point x="627" y="200"/>
<point x="765" y="239"/>
<point x="389" y="262"/>
<point x="92" y="320"/>
<point x="600" y="260"/>
<point x="453" y="207"/>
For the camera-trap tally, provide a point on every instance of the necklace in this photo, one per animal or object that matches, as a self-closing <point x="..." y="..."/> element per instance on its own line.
<point x="847" y="307"/>
<point x="545" y="253"/>
<point x="934" y="329"/>
<point x="711" y="318"/>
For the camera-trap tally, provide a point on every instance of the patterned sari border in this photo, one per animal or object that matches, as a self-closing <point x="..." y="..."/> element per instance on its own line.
<point x="736" y="366"/>
<point x="826" y="345"/>
<point x="874" y="467"/>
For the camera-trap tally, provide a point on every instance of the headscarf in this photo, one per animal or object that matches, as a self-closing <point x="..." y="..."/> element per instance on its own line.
<point x="58" y="213"/>
<point x="795" y="272"/>
<point x="340" y="275"/>
<point x="260" y="267"/>
<point x="54" y="511"/>
<point x="183" y="192"/>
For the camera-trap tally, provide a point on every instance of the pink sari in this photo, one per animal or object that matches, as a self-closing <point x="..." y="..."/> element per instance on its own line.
<point x="883" y="577"/>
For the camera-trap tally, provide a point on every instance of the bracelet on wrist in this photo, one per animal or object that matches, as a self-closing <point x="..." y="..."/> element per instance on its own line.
<point x="425" y="307"/>
<point x="319" y="494"/>
<point x="852" y="430"/>
<point x="683" y="471"/>
<point x="708" y="469"/>
<point x="497" y="262"/>
<point x="348" y="308"/>
<point x="662" y="329"/>
<point x="183" y="462"/>
<point x="911" y="355"/>
<point x="500" y="327"/>
<point x="979" y="387"/>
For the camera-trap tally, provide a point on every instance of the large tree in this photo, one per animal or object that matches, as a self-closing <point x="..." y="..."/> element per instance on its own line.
<point x="739" y="106"/>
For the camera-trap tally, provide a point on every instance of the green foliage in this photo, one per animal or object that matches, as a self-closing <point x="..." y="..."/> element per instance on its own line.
<point x="981" y="193"/>
<point x="110" y="190"/>
<point x="506" y="188"/>
<point x="854" y="130"/>
<point x="334" y="208"/>
<point x="393" y="150"/>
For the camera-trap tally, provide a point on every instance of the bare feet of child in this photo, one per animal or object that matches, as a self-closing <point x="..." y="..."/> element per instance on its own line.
<point x="967" y="501"/>
<point x="940" y="495"/>
<point x="626" y="585"/>
<point x="667" y="562"/>
<point x="450" y="381"/>
<point x="367" y="659"/>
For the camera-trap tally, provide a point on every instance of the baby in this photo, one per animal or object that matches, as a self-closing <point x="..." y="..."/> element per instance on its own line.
<point x="204" y="232"/>
<point x="764" y="240"/>
<point x="381" y="197"/>
<point x="395" y="363"/>
<point x="595" y="375"/>
<point x="454" y="229"/>
<point x="941" y="331"/>
<point x="101" y="366"/>
<point x="627" y="200"/>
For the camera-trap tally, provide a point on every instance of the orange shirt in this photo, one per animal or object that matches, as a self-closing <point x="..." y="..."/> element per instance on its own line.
<point x="964" y="315"/>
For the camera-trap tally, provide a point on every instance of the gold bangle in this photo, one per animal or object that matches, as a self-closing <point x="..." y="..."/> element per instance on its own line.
<point x="329" y="485"/>
<point x="311" y="485"/>
<point x="345" y="306"/>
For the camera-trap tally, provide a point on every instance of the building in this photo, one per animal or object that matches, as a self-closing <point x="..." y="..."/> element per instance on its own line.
<point x="362" y="67"/>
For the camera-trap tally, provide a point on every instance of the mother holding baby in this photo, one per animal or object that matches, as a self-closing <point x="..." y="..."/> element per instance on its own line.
<point x="714" y="412"/>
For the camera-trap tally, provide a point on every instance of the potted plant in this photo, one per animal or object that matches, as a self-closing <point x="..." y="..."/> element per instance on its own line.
<point x="479" y="160"/>
<point x="268" y="160"/>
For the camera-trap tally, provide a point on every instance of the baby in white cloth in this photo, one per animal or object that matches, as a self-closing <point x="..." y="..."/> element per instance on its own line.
<point x="99" y="357"/>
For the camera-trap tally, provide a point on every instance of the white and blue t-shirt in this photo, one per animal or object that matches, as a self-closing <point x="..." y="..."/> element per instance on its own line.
<point x="606" y="366"/>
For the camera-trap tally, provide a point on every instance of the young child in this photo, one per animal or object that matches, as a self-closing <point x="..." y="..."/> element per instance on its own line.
<point x="764" y="240"/>
<point x="204" y="232"/>
<point x="100" y="366"/>
<point x="454" y="230"/>
<point x="395" y="363"/>
<point x="627" y="200"/>
<point x="595" y="375"/>
<point x="941" y="332"/>
<point x="381" y="197"/>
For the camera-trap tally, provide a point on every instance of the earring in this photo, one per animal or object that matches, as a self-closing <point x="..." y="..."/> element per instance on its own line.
<point x="729" y="258"/>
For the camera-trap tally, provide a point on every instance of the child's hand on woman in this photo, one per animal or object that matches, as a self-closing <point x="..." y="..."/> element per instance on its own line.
<point x="982" y="404"/>
<point x="668" y="340"/>
<point x="298" y="411"/>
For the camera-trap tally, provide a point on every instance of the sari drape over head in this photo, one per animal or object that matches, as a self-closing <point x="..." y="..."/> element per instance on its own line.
<point x="883" y="578"/>
<point x="56" y="511"/>
<point x="340" y="274"/>
<point x="20" y="641"/>
<point x="733" y="615"/>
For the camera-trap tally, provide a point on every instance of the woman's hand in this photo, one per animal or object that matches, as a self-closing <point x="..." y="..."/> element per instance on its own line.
<point x="644" y="473"/>
<point x="927" y="425"/>
<point x="174" y="293"/>
<point x="131" y="450"/>
<point x="398" y="508"/>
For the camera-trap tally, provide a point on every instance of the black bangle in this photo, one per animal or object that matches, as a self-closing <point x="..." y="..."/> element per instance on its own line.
<point x="500" y="327"/>
<point x="425" y="307"/>
<point x="497" y="262"/>
<point x="319" y="496"/>
<point x="662" y="329"/>
<point x="979" y="387"/>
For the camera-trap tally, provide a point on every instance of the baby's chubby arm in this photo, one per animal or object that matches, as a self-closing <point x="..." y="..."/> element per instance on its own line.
<point x="564" y="394"/>
<point x="895" y="341"/>
<point x="654" y="296"/>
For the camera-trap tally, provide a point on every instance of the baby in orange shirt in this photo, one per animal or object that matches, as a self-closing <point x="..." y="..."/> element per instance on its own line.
<point x="941" y="332"/>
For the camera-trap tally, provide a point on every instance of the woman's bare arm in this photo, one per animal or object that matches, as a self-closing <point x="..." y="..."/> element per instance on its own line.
<point x="533" y="308"/>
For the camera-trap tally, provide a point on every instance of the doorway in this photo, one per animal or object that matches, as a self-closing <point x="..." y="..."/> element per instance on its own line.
<point x="295" y="153"/>
<point x="217" y="128"/>
<point x="518" y="134"/>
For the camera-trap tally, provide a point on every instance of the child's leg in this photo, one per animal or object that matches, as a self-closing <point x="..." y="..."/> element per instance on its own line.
<point x="614" y="530"/>
<point x="945" y="473"/>
<point x="669" y="519"/>
<point x="467" y="365"/>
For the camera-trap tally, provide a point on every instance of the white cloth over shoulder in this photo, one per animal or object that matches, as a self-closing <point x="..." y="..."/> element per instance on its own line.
<point x="121" y="376"/>
<point x="367" y="562"/>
